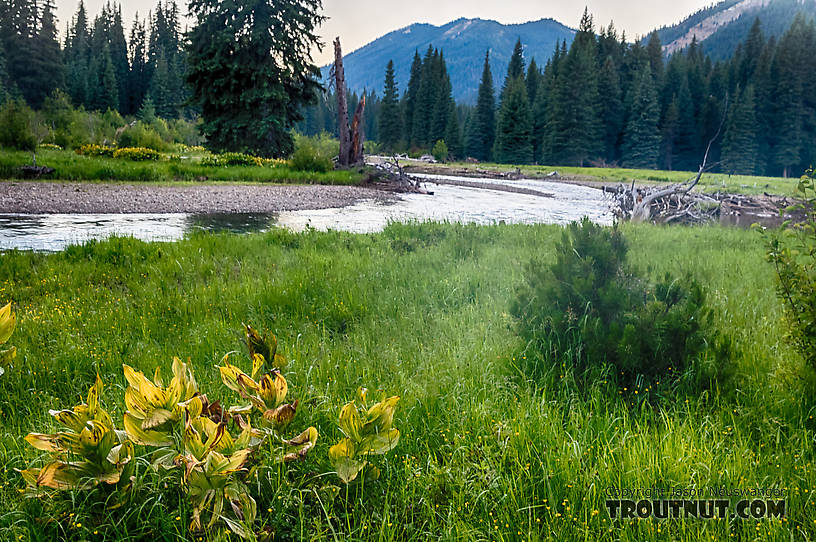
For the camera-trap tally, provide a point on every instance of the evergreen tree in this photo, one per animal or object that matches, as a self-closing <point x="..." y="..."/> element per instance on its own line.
<point x="788" y="72"/>
<point x="106" y="90"/>
<point x="46" y="69"/>
<point x="77" y="57"/>
<point x="390" y="117"/>
<point x="686" y="152"/>
<point x="514" y="126"/>
<point x="578" y="100"/>
<point x="532" y="81"/>
<point x="442" y="101"/>
<point x="668" y="133"/>
<point x="119" y="57"/>
<point x="515" y="69"/>
<point x="482" y="128"/>
<point x="654" y="50"/>
<point x="453" y="133"/>
<point x="424" y="108"/>
<point x="641" y="144"/>
<point x="611" y="112"/>
<point x="754" y="45"/>
<point x="740" y="140"/>
<point x="411" y="96"/>
<point x="138" y="75"/>
<point x="251" y="91"/>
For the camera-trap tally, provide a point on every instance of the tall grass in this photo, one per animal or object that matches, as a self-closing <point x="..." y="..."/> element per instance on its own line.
<point x="72" y="167"/>
<point x="420" y="311"/>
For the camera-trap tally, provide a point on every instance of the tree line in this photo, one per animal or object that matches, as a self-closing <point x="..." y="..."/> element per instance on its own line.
<point x="603" y="101"/>
<point x="599" y="101"/>
<point x="95" y="64"/>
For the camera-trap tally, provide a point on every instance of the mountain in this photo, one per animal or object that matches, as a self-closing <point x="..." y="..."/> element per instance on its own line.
<point x="463" y="42"/>
<point x="721" y="27"/>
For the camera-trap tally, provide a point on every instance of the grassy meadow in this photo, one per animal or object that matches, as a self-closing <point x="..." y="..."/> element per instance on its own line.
<point x="70" y="166"/>
<point x="421" y="311"/>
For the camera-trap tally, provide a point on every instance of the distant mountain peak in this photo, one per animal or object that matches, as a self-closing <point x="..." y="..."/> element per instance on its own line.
<point x="720" y="27"/>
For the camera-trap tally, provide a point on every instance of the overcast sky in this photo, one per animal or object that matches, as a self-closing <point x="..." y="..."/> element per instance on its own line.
<point x="359" y="22"/>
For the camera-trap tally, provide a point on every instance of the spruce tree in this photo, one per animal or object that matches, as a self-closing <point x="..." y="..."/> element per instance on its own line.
<point x="514" y="144"/>
<point x="411" y="95"/>
<point x="482" y="128"/>
<point x="532" y="80"/>
<point x="77" y="57"/>
<point x="390" y="115"/>
<point x="740" y="145"/>
<point x="46" y="68"/>
<point x="515" y="69"/>
<point x="453" y="133"/>
<point x="790" y="110"/>
<point x="423" y="111"/>
<point x="579" y="101"/>
<point x="251" y="92"/>
<point x="611" y="111"/>
<point x="107" y="95"/>
<point x="668" y="134"/>
<point x="654" y="49"/>
<point x="641" y="144"/>
<point x="137" y="77"/>
<point x="119" y="57"/>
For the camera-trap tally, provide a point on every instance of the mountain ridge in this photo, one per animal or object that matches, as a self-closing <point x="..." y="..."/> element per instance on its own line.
<point x="463" y="42"/>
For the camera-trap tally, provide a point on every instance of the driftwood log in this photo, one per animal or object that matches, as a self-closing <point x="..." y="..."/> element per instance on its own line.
<point x="676" y="203"/>
<point x="391" y="176"/>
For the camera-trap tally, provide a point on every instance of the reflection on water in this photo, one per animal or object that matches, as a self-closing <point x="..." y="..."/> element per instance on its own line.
<point x="55" y="232"/>
<point x="451" y="203"/>
<point x="459" y="204"/>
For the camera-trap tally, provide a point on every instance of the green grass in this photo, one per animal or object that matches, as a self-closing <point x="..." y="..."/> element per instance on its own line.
<point x="710" y="182"/>
<point x="420" y="311"/>
<point x="71" y="167"/>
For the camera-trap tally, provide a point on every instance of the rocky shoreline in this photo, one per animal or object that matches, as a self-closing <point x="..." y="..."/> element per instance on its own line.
<point x="38" y="197"/>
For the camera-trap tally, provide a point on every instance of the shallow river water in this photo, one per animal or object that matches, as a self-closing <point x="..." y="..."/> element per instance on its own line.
<point x="561" y="204"/>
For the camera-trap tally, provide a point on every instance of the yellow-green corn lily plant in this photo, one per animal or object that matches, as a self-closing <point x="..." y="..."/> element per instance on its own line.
<point x="152" y="409"/>
<point x="7" y="323"/>
<point x="89" y="452"/>
<point x="367" y="432"/>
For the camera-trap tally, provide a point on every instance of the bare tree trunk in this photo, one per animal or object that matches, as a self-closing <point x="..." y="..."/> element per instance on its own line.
<point x="357" y="134"/>
<point x="342" y="106"/>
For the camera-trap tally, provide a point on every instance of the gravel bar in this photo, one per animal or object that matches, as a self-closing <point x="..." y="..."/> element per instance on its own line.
<point x="39" y="197"/>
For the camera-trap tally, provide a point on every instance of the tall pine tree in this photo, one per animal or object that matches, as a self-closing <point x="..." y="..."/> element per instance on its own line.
<point x="482" y="128"/>
<point x="641" y="143"/>
<point x="514" y="127"/>
<point x="390" y="117"/>
<point x="740" y="140"/>
<point x="251" y="92"/>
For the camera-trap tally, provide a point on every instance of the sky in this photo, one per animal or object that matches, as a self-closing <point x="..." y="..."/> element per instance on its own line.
<point x="359" y="22"/>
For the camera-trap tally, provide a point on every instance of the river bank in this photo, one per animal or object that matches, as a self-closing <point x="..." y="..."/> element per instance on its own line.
<point x="39" y="197"/>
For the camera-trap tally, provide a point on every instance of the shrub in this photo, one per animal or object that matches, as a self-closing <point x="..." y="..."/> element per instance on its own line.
<point x="231" y="159"/>
<point x="307" y="158"/>
<point x="143" y="136"/>
<point x="16" y="119"/>
<point x="440" y="151"/>
<point x="136" y="154"/>
<point x="589" y="306"/>
<point x="95" y="150"/>
<point x="793" y="253"/>
<point x="314" y="153"/>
